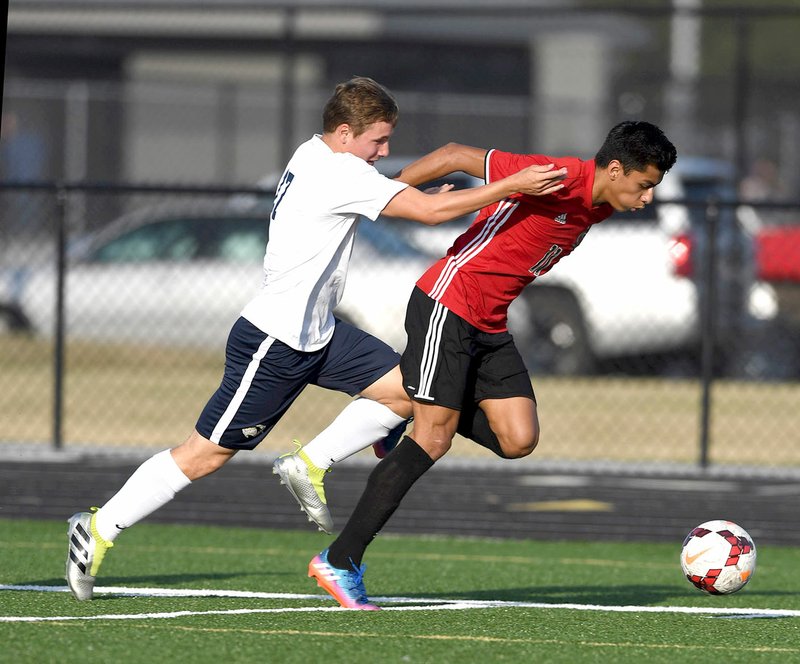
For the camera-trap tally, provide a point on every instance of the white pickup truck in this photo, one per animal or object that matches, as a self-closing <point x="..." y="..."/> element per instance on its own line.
<point x="633" y="288"/>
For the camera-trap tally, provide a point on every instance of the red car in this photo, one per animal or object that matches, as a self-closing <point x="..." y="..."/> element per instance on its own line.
<point x="778" y="254"/>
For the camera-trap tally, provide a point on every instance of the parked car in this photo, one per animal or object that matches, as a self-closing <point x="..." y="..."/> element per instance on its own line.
<point x="636" y="287"/>
<point x="180" y="273"/>
<point x="778" y="253"/>
<point x="777" y="238"/>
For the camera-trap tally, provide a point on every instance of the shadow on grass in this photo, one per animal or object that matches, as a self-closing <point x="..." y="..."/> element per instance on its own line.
<point x="164" y="580"/>
<point x="603" y="596"/>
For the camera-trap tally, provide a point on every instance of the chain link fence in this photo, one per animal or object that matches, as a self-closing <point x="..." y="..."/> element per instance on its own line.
<point x="190" y="102"/>
<point x="115" y="304"/>
<point x="671" y="337"/>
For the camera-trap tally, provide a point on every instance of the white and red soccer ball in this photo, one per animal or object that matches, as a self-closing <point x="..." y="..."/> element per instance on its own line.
<point x="718" y="557"/>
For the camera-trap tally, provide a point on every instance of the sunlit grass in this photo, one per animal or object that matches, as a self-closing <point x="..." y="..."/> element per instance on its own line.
<point x="126" y="395"/>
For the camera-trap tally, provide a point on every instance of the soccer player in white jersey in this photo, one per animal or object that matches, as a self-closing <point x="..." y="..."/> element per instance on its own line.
<point x="287" y="336"/>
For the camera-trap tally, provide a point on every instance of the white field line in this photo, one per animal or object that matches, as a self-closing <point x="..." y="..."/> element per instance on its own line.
<point x="406" y="604"/>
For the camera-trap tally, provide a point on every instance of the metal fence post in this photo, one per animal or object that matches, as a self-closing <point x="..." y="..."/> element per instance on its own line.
<point x="288" y="108"/>
<point x="58" y="332"/>
<point x="708" y="340"/>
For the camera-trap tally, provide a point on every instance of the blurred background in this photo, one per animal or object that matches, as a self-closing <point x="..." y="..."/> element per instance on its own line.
<point x="141" y="141"/>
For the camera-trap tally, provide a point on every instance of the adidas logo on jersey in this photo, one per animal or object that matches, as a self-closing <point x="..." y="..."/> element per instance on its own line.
<point x="561" y="219"/>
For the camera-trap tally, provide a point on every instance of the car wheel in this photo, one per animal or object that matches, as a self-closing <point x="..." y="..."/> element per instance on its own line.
<point x="13" y="320"/>
<point x="552" y="336"/>
<point x="769" y="351"/>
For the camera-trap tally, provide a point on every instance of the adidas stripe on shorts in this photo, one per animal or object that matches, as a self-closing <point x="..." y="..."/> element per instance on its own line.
<point x="449" y="362"/>
<point x="263" y="377"/>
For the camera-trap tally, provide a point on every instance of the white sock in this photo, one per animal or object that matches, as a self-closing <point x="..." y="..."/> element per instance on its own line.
<point x="362" y="423"/>
<point x="151" y="486"/>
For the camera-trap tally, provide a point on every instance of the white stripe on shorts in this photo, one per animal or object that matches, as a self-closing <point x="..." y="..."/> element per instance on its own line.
<point x="241" y="391"/>
<point x="430" y="353"/>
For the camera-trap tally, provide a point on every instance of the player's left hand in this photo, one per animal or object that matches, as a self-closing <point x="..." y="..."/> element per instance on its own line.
<point x="539" y="180"/>
<point x="439" y="190"/>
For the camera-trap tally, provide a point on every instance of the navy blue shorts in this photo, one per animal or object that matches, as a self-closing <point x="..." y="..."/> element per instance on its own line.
<point x="263" y="377"/>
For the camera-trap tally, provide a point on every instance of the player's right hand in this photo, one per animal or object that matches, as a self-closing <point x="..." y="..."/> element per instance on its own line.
<point x="541" y="179"/>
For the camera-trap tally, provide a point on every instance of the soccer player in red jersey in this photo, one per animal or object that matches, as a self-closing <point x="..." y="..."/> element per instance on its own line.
<point x="461" y="368"/>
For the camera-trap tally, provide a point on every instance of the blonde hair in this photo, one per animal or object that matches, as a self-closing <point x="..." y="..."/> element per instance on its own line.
<point x="359" y="102"/>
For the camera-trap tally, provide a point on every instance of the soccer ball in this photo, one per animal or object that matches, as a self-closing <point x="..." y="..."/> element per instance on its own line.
<point x="718" y="557"/>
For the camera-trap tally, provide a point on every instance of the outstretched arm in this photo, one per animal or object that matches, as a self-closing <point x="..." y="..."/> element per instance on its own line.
<point x="443" y="161"/>
<point x="433" y="209"/>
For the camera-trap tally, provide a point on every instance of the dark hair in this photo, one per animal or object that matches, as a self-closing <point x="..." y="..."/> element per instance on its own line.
<point x="637" y="145"/>
<point x="359" y="103"/>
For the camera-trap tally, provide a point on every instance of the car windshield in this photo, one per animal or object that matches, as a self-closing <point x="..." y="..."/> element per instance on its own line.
<point x="703" y="191"/>
<point x="240" y="236"/>
<point x="185" y="239"/>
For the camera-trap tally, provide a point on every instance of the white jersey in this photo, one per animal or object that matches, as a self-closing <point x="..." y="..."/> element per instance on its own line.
<point x="311" y="230"/>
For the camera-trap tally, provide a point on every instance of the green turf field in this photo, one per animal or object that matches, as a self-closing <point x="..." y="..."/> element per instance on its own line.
<point x="446" y="600"/>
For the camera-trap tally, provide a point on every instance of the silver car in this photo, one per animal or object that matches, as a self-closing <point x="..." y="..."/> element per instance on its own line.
<point x="180" y="273"/>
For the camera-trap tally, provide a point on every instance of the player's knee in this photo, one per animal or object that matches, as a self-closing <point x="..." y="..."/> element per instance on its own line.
<point x="438" y="448"/>
<point x="435" y="443"/>
<point x="213" y="462"/>
<point x="401" y="407"/>
<point x="520" y="442"/>
<point x="198" y="456"/>
<point x="398" y="402"/>
<point x="388" y="390"/>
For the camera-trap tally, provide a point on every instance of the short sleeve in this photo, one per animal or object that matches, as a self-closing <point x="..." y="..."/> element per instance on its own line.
<point x="360" y="189"/>
<point x="501" y="164"/>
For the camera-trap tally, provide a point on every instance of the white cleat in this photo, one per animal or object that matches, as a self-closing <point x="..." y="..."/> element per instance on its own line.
<point x="304" y="481"/>
<point x="86" y="551"/>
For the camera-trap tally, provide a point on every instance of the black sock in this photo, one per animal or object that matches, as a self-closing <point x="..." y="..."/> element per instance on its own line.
<point x="474" y="424"/>
<point x="387" y="484"/>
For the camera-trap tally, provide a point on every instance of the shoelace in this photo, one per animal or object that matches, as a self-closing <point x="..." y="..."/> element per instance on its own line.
<point x="356" y="580"/>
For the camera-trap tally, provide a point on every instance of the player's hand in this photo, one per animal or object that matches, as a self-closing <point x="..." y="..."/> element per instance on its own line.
<point x="539" y="180"/>
<point x="440" y="189"/>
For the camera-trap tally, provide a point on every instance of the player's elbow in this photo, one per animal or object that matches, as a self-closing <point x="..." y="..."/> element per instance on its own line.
<point x="451" y="150"/>
<point x="436" y="218"/>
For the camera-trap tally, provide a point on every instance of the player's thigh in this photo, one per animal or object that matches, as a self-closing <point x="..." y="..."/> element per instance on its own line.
<point x="504" y="392"/>
<point x="357" y="363"/>
<point x="388" y="390"/>
<point x="263" y="377"/>
<point x="500" y="372"/>
<point x="438" y="362"/>
<point x="515" y="422"/>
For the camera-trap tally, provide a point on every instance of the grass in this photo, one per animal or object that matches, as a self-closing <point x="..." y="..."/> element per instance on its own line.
<point x="305" y="629"/>
<point x="129" y="395"/>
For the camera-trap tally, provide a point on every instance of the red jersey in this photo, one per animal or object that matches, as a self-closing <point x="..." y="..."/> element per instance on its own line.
<point x="512" y="242"/>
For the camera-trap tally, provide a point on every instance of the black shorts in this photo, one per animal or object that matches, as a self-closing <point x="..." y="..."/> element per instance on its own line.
<point x="449" y="362"/>
<point x="263" y="377"/>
